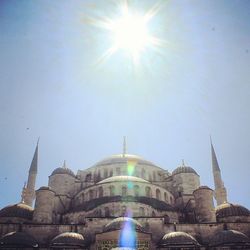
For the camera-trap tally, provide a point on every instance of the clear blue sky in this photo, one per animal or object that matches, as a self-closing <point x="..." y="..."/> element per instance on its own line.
<point x="51" y="86"/>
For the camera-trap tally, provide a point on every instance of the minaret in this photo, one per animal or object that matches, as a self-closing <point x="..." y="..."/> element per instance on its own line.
<point x="28" y="194"/>
<point x="220" y="191"/>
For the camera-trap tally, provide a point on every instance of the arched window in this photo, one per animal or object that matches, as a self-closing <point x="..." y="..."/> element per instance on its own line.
<point x="98" y="178"/>
<point x="154" y="176"/>
<point x="111" y="172"/>
<point x="100" y="192"/>
<point x="105" y="173"/>
<point x="124" y="191"/>
<point x="143" y="173"/>
<point x="171" y="200"/>
<point x="165" y="197"/>
<point x="136" y="189"/>
<point x="166" y="219"/>
<point x="150" y="177"/>
<point x="118" y="171"/>
<point x="88" y="177"/>
<point x="112" y="190"/>
<point x="158" y="194"/>
<point x="148" y="191"/>
<point x="82" y="197"/>
<point x="106" y="212"/>
<point x="141" y="211"/>
<point x="153" y="214"/>
<point x="91" y="194"/>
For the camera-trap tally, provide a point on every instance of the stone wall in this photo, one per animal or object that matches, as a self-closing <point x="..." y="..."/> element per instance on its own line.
<point x="203" y="232"/>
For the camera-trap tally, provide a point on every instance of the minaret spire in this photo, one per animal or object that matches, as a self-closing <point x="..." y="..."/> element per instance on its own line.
<point x="28" y="194"/>
<point x="220" y="191"/>
<point x="124" y="146"/>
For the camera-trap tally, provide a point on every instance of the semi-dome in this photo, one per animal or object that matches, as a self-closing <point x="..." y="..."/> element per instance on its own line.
<point x="63" y="170"/>
<point x="69" y="239"/>
<point x="19" y="240"/>
<point x="228" y="209"/>
<point x="184" y="169"/>
<point x="122" y="178"/>
<point x="178" y="239"/>
<point x="229" y="237"/>
<point x="118" y="223"/>
<point x="120" y="158"/>
<point x="19" y="210"/>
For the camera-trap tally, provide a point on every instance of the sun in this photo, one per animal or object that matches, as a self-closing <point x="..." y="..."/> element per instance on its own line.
<point x="128" y="31"/>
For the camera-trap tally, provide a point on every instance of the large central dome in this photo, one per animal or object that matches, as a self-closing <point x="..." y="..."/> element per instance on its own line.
<point x="124" y="158"/>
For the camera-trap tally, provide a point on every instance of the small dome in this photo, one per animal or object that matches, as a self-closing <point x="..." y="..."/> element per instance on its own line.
<point x="19" y="210"/>
<point x="228" y="209"/>
<point x="118" y="223"/>
<point x="184" y="169"/>
<point x="123" y="178"/>
<point x="18" y="239"/>
<point x="69" y="239"/>
<point x="178" y="239"/>
<point x="62" y="170"/>
<point x="45" y="188"/>
<point x="225" y="237"/>
<point x="203" y="187"/>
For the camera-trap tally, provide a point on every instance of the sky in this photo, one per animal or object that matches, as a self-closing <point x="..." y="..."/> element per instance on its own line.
<point x="53" y="85"/>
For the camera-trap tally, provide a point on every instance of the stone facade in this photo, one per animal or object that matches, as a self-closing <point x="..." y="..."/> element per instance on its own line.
<point x="90" y="210"/>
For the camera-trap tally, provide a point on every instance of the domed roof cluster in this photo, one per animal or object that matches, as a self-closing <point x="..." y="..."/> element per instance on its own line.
<point x="228" y="209"/>
<point x="118" y="223"/>
<point x="184" y="169"/>
<point x="120" y="158"/>
<point x="19" y="210"/>
<point x="18" y="239"/>
<point x="229" y="237"/>
<point x="63" y="170"/>
<point x="69" y="239"/>
<point x="123" y="178"/>
<point x="178" y="239"/>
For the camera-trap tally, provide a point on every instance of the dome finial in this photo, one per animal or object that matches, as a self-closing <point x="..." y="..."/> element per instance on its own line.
<point x="64" y="164"/>
<point x="124" y="146"/>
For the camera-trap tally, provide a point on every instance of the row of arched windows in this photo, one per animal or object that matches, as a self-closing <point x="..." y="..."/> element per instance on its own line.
<point x="106" y="212"/>
<point x="96" y="177"/>
<point x="99" y="192"/>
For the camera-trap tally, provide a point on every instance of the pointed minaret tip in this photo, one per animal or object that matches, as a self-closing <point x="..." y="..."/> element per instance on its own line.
<point x="124" y="146"/>
<point x="183" y="163"/>
<point x="34" y="163"/>
<point x="215" y="163"/>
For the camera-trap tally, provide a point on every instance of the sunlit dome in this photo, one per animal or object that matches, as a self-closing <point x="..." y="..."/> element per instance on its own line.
<point x="178" y="239"/>
<point x="229" y="209"/>
<point x="69" y="240"/>
<point x="118" y="223"/>
<point x="123" y="178"/>
<point x="124" y="159"/>
<point x="19" y="210"/>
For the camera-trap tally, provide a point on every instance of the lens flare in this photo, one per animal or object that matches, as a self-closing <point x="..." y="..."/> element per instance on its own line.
<point x="130" y="171"/>
<point x="131" y="167"/>
<point x="127" y="237"/>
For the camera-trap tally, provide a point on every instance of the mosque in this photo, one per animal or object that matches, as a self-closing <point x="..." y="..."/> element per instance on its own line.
<point x="124" y="202"/>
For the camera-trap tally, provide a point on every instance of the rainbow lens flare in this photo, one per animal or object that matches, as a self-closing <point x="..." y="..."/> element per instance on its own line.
<point x="128" y="234"/>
